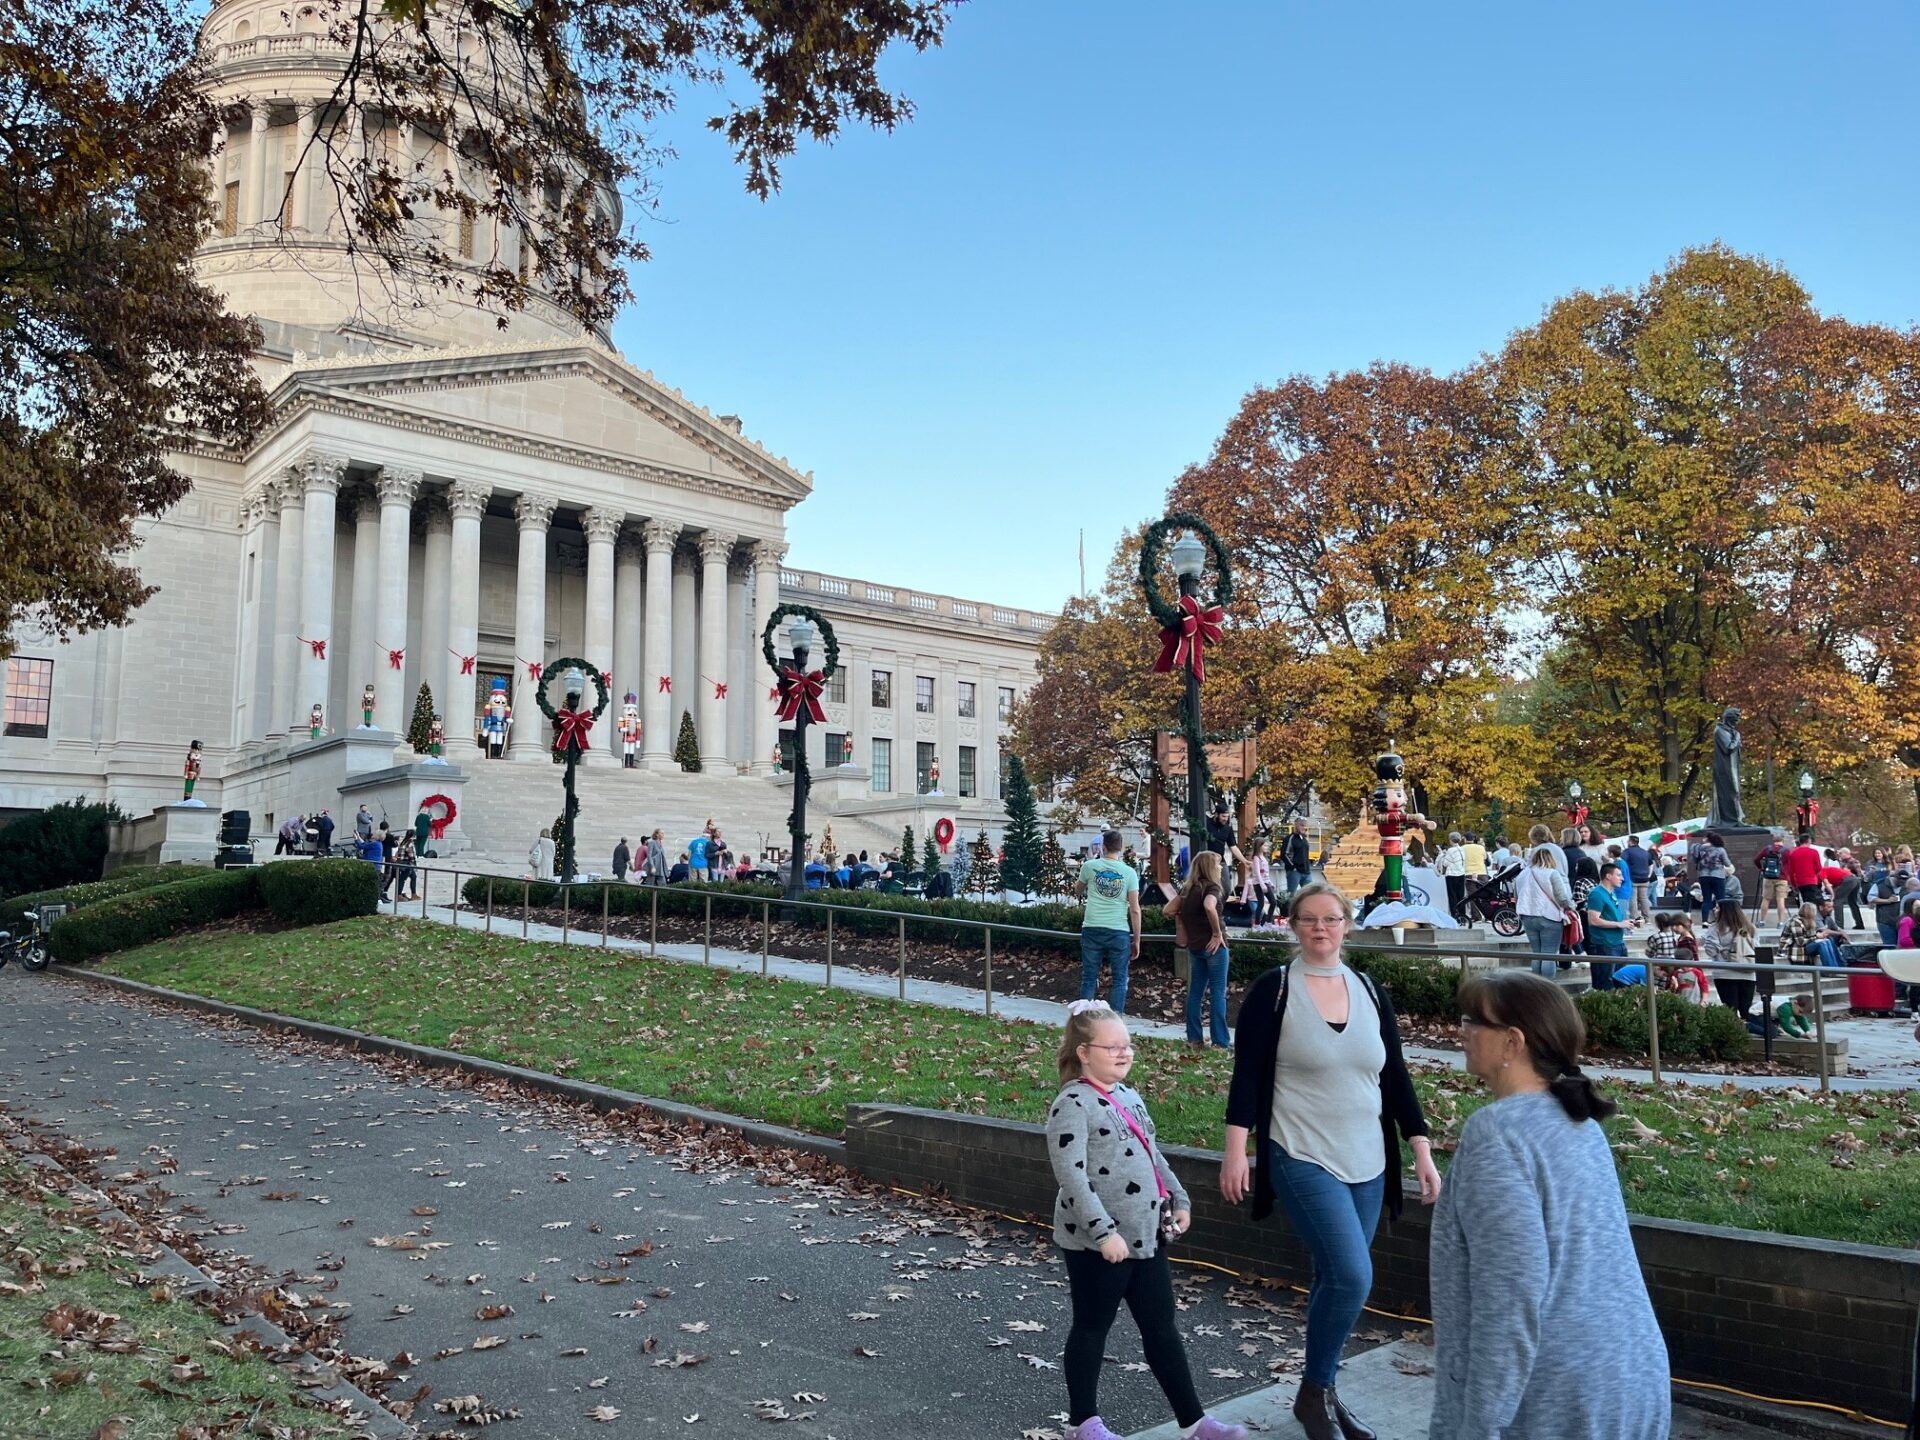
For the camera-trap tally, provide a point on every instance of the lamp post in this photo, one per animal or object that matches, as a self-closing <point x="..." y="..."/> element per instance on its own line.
<point x="800" y="634"/>
<point x="1189" y="560"/>
<point x="1807" y="812"/>
<point x="570" y="726"/>
<point x="798" y="695"/>
<point x="1575" y="807"/>
<point x="1187" y="626"/>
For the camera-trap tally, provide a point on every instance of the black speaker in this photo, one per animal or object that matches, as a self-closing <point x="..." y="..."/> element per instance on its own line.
<point x="233" y="857"/>
<point x="235" y="827"/>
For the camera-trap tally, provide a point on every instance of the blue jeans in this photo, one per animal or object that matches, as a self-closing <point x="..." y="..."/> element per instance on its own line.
<point x="1826" y="952"/>
<point x="1209" y="973"/>
<point x="1712" y="887"/>
<point x="1116" y="948"/>
<point x="1543" y="934"/>
<point x="1600" y="968"/>
<point x="1335" y="1221"/>
<point x="1890" y="934"/>
<point x="1297" y="878"/>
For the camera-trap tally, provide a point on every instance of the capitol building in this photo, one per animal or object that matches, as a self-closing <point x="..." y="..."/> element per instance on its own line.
<point x="439" y="500"/>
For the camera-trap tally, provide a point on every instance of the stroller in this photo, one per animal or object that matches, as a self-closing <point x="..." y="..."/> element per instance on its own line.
<point x="1492" y="900"/>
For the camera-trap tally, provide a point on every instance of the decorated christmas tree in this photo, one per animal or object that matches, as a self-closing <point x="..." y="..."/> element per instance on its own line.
<point x="930" y="859"/>
<point x="686" y="748"/>
<point x="983" y="866"/>
<point x="420" y="727"/>
<point x="909" y="852"/>
<point x="1053" y="864"/>
<point x="957" y="867"/>
<point x="1024" y="866"/>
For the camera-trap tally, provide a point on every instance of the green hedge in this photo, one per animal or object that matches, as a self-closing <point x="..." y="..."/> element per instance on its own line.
<point x="121" y="882"/>
<point x="149" y="915"/>
<point x="313" y="892"/>
<point x="1617" y="1019"/>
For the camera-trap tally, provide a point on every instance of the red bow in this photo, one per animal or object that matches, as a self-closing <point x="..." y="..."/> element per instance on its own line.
<point x="773" y="692"/>
<point x="666" y="685"/>
<point x="606" y="678"/>
<point x="533" y="670"/>
<point x="796" y="689"/>
<point x="466" y="661"/>
<point x="319" y="647"/>
<point x="570" y="728"/>
<point x="1199" y="626"/>
<point x="395" y="657"/>
<point x="719" y="690"/>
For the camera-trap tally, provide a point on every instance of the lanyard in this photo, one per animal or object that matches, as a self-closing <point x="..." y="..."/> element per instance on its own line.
<point x="1132" y="1125"/>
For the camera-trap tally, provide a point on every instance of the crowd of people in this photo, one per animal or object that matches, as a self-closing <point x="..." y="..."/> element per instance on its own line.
<point x="1542" y="1323"/>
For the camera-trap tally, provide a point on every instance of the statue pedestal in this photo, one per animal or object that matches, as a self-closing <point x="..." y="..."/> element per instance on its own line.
<point x="1743" y="843"/>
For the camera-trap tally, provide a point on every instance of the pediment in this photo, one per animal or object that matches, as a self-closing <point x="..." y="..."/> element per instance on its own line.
<point x="570" y="398"/>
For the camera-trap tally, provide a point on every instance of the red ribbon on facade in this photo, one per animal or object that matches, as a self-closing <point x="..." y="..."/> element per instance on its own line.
<point x="606" y="678"/>
<point x="797" y="689"/>
<point x="773" y="692"/>
<point x="534" y="668"/>
<point x="1199" y="627"/>
<point x="719" y="690"/>
<point x="666" y="685"/>
<point x="319" y="647"/>
<point x="396" y="658"/>
<point x="571" y="726"/>
<point x="466" y="661"/>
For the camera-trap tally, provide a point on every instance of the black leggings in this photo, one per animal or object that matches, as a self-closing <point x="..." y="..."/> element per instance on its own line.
<point x="1735" y="993"/>
<point x="1099" y="1286"/>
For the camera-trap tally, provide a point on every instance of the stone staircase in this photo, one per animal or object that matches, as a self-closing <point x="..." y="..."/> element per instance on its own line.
<point x="506" y="803"/>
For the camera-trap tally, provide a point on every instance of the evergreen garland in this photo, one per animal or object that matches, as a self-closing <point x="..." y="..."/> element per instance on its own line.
<point x="686" y="747"/>
<point x="1024" y="867"/>
<point x="420" y="728"/>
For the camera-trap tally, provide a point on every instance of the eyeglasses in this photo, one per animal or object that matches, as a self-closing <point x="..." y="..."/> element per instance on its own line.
<point x="1466" y="1020"/>
<point x="1114" y="1050"/>
<point x="1319" y="921"/>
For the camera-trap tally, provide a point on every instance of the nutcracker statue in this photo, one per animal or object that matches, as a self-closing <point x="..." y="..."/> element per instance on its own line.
<point x="191" y="770"/>
<point x="1394" y="820"/>
<point x="933" y="776"/>
<point x="366" y="707"/>
<point x="629" y="730"/>
<point x="846" y="749"/>
<point x="779" y="759"/>
<point x="498" y="719"/>
<point x="316" y="721"/>
<point x="437" y="738"/>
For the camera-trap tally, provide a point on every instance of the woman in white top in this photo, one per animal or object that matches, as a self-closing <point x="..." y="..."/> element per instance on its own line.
<point x="1451" y="866"/>
<point x="1542" y="897"/>
<point x="1729" y="941"/>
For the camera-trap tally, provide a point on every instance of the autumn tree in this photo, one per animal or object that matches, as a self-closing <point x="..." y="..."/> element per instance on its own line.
<point x="111" y="353"/>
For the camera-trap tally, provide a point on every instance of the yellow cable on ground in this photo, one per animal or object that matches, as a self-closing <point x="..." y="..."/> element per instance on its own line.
<point x="1840" y="1410"/>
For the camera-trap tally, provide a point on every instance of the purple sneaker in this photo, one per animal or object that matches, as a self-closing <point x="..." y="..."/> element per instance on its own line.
<point x="1212" y="1429"/>
<point x="1092" y="1428"/>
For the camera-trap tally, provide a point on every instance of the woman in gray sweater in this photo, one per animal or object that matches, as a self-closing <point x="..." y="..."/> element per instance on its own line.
<point x="1541" y="1320"/>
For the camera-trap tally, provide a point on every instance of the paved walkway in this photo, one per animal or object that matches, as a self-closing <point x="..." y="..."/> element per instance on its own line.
<point x="1894" y="1062"/>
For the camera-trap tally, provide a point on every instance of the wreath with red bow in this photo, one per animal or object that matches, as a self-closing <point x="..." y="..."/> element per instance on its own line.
<point x="571" y="725"/>
<point x="437" y="824"/>
<point x="796" y="689"/>
<point x="1186" y="626"/>
<point x="943" y="833"/>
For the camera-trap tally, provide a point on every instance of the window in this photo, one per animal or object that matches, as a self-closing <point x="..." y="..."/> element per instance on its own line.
<point x="837" y="687"/>
<point x="1005" y="756"/>
<point x="923" y="694"/>
<point x="883" y="689"/>
<point x="966" y="771"/>
<point x="466" y="236"/>
<point x="923" y="767"/>
<point x="29" y="697"/>
<point x="836" y="748"/>
<point x="230" y="210"/>
<point x="883" y="764"/>
<point x="1006" y="702"/>
<point x="965" y="689"/>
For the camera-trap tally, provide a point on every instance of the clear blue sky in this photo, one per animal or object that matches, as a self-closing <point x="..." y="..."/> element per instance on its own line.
<point x="1026" y="311"/>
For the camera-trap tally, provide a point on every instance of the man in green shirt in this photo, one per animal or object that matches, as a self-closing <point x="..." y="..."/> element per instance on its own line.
<point x="1110" y="929"/>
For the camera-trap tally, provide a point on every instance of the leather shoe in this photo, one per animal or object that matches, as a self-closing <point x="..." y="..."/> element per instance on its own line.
<point x="1312" y="1407"/>
<point x="1350" y="1426"/>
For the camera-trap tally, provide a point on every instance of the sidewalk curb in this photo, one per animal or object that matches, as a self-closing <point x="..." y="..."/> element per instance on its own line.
<point x="600" y="1097"/>
<point x="369" y="1414"/>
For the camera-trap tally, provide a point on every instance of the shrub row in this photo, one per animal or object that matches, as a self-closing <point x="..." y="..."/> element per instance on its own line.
<point x="1617" y="1019"/>
<point x="121" y="882"/>
<point x="310" y="893"/>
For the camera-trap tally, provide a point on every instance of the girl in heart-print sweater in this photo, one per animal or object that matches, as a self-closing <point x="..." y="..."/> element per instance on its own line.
<point x="1119" y="1204"/>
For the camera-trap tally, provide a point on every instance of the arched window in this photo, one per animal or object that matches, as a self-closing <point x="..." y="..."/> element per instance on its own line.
<point x="243" y="31"/>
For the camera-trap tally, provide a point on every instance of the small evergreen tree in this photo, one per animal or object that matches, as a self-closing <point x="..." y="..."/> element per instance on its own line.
<point x="686" y="748"/>
<point x="957" y="868"/>
<point x="930" y="859"/>
<point x="983" y="866"/>
<point x="1023" y="842"/>
<point x="1053" y="864"/>
<point x="64" y="844"/>
<point x="909" y="852"/>
<point x="421" y="726"/>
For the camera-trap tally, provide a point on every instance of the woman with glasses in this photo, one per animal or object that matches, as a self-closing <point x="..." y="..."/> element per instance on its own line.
<point x="1320" y="1085"/>
<point x="1541" y="1321"/>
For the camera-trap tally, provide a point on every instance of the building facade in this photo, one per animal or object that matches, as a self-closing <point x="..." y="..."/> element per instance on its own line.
<point x="441" y="501"/>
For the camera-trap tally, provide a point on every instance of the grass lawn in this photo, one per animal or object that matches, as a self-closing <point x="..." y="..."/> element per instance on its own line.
<point x="1844" y="1167"/>
<point x="81" y="1343"/>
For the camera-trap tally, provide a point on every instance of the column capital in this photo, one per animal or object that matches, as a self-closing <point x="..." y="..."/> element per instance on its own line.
<point x="716" y="546"/>
<point x="534" y="512"/>
<point x="321" y="470"/>
<point x="467" y="499"/>
<point x="438" y="519"/>
<point x="259" y="504"/>
<point x="767" y="554"/>
<point x="286" y="488"/>
<point x="660" y="535"/>
<point x="602" y="524"/>
<point x="398" y="487"/>
<point x="366" y="505"/>
<point x="261" y="117"/>
<point x="627" y="547"/>
<point x="684" y="562"/>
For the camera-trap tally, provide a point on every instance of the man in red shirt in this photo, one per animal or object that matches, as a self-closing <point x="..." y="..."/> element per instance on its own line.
<point x="1803" y="869"/>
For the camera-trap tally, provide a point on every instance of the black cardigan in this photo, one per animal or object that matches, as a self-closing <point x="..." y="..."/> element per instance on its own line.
<point x="1256" y="1053"/>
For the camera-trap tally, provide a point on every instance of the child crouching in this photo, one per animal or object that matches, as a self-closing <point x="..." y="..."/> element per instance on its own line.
<point x="1119" y="1203"/>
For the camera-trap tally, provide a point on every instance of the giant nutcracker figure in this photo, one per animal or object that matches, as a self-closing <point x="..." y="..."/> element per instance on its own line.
<point x="366" y="707"/>
<point x="191" y="770"/>
<point x="316" y="721"/>
<point x="629" y="730"/>
<point x="1394" y="820"/>
<point x="498" y="719"/>
<point x="437" y="740"/>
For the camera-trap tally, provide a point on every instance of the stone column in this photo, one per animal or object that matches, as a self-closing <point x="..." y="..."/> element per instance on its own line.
<point x="858" y="663"/>
<point x="253" y="605"/>
<point x="603" y="528"/>
<point x="466" y="503"/>
<point x="946" y="728"/>
<point x="716" y="550"/>
<point x="258" y="207"/>
<point x="626" y="618"/>
<point x="436" y="580"/>
<point x="656" y="707"/>
<point x="302" y="207"/>
<point x="686" y="659"/>
<point x="267" y="651"/>
<point x="321" y="477"/>
<point x="392" y="705"/>
<point x="739" y="676"/>
<point x="287" y="648"/>
<point x="767" y="555"/>
<point x="529" y="739"/>
<point x="361" y="657"/>
<point x="988" y="708"/>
